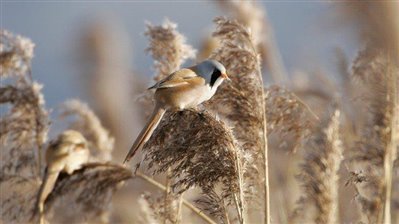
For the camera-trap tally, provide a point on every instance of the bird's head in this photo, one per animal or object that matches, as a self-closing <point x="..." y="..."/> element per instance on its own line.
<point x="212" y="71"/>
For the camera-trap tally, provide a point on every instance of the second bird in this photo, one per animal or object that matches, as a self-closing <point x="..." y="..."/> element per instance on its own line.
<point x="182" y="89"/>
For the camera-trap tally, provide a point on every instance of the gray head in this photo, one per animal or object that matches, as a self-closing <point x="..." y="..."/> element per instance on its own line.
<point x="212" y="71"/>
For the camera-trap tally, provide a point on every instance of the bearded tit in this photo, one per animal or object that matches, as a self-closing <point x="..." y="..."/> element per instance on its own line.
<point x="182" y="89"/>
<point x="65" y="154"/>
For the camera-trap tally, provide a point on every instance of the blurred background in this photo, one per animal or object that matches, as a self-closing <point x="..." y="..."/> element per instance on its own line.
<point x="304" y="32"/>
<point x="96" y="51"/>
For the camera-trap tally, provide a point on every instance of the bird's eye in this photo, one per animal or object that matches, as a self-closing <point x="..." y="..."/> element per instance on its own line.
<point x="80" y="146"/>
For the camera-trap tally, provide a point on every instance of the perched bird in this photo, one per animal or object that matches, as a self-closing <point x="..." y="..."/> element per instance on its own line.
<point x="182" y="89"/>
<point x="66" y="154"/>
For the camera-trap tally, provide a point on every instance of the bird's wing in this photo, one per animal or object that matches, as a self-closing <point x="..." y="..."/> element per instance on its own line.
<point x="178" y="78"/>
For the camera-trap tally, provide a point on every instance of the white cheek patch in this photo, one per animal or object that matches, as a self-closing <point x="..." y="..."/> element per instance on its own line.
<point x="217" y="83"/>
<point x="212" y="90"/>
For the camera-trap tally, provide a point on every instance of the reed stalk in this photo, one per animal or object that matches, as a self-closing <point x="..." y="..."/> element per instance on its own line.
<point x="184" y="201"/>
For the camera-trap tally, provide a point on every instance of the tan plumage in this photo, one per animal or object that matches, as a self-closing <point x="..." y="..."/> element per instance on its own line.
<point x="66" y="154"/>
<point x="182" y="89"/>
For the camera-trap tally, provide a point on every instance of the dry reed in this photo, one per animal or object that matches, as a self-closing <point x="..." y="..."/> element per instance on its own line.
<point x="105" y="52"/>
<point x="288" y="117"/>
<point x="147" y="209"/>
<point x="241" y="102"/>
<point x="373" y="70"/>
<point x="24" y="128"/>
<point x="221" y="152"/>
<point x="18" y="195"/>
<point x="89" y="190"/>
<point x="162" y="187"/>
<point x="319" y="174"/>
<point x="16" y="53"/>
<point x="26" y="123"/>
<point x="252" y="15"/>
<point x="23" y="134"/>
<point x="198" y="149"/>
<point x="168" y="48"/>
<point x="101" y="143"/>
<point x="161" y="207"/>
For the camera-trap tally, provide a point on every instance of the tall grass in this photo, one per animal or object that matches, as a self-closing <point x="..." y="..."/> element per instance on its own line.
<point x="231" y="160"/>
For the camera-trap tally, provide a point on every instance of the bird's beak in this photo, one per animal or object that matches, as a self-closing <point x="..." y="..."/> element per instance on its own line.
<point x="224" y="75"/>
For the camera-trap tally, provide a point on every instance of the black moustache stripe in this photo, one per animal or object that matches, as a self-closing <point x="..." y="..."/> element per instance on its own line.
<point x="215" y="75"/>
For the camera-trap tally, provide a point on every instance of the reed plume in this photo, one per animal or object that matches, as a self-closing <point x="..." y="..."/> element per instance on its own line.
<point x="198" y="149"/>
<point x="210" y="164"/>
<point x="89" y="190"/>
<point x="241" y="102"/>
<point x="199" y="152"/>
<point x="375" y="22"/>
<point x="23" y="130"/>
<point x="106" y="53"/>
<point x="319" y="174"/>
<point x="17" y="197"/>
<point x="238" y="100"/>
<point x="217" y="206"/>
<point x="288" y="117"/>
<point x="99" y="138"/>
<point x="23" y="134"/>
<point x="168" y="48"/>
<point x="252" y="15"/>
<point x="148" y="209"/>
<point x="16" y="53"/>
<point x="207" y="46"/>
<point x="187" y="142"/>
<point x="375" y="72"/>
<point x="158" y="207"/>
<point x="169" y="51"/>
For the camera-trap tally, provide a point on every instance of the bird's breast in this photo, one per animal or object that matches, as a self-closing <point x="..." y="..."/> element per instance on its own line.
<point x="75" y="160"/>
<point x="183" y="97"/>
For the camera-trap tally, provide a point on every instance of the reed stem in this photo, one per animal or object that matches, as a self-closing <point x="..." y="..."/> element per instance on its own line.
<point x="391" y="150"/>
<point x="265" y="155"/>
<point x="185" y="202"/>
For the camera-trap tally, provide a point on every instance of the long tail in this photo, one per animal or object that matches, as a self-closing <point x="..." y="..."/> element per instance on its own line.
<point x="47" y="186"/>
<point x="146" y="133"/>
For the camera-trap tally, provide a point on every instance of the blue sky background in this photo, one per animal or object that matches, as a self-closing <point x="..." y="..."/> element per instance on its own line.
<point x="304" y="33"/>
